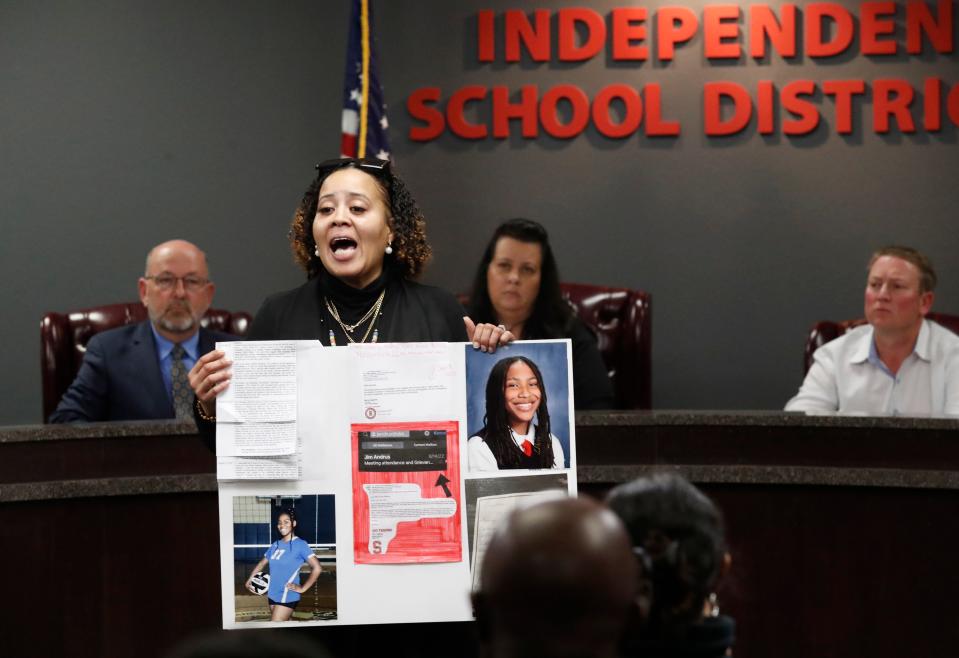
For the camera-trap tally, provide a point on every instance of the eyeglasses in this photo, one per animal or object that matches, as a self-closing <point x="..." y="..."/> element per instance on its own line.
<point x="372" y="166"/>
<point x="191" y="283"/>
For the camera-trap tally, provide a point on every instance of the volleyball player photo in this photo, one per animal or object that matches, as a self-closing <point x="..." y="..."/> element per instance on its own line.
<point x="284" y="558"/>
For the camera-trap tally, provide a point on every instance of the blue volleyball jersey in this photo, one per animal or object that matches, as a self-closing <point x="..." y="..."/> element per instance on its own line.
<point x="285" y="561"/>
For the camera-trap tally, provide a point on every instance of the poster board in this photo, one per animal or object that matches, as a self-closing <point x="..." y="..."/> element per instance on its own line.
<point x="381" y="453"/>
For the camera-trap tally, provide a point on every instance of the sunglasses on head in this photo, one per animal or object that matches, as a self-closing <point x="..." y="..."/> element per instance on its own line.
<point x="372" y="166"/>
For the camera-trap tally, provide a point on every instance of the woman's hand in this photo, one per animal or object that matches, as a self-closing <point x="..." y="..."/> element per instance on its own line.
<point x="299" y="589"/>
<point x="208" y="377"/>
<point x="249" y="584"/>
<point x="487" y="337"/>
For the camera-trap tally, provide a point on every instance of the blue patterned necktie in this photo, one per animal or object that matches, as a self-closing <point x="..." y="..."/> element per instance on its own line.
<point x="182" y="394"/>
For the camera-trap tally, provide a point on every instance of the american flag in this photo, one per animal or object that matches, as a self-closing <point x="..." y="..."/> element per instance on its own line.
<point x="364" y="112"/>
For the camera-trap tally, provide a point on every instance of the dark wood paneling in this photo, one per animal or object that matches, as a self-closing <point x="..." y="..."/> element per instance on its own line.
<point x="854" y="569"/>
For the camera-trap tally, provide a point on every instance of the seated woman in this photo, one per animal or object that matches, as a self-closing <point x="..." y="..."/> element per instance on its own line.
<point x="517" y="286"/>
<point x="678" y="537"/>
<point x="516" y="433"/>
<point x="360" y="236"/>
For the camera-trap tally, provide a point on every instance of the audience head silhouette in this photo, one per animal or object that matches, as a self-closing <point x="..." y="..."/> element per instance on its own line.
<point x="558" y="580"/>
<point x="678" y="533"/>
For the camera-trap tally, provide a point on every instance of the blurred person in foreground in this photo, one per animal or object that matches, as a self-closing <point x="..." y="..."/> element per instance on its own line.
<point x="899" y="363"/>
<point x="139" y="371"/>
<point x="678" y="538"/>
<point x="558" y="580"/>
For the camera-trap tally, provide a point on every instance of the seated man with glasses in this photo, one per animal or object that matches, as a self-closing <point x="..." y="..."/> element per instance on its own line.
<point x="139" y="371"/>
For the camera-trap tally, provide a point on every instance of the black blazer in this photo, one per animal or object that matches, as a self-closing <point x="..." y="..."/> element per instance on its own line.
<point x="411" y="313"/>
<point x="120" y="377"/>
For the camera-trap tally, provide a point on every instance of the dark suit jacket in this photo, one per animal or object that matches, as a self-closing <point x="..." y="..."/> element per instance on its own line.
<point x="120" y="377"/>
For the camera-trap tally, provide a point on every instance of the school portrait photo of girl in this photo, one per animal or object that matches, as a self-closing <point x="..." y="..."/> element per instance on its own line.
<point x="519" y="411"/>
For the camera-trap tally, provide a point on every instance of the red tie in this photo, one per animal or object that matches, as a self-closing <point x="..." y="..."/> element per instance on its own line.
<point x="527" y="448"/>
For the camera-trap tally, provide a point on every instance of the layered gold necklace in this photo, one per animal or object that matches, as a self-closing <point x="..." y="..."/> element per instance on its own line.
<point x="348" y="329"/>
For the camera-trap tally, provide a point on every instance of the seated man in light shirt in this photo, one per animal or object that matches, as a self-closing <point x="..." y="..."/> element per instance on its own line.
<point x="899" y="363"/>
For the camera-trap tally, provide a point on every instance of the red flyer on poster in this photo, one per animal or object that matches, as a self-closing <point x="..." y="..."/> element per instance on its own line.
<point x="406" y="493"/>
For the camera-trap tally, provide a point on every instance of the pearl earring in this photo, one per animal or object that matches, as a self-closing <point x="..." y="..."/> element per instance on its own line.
<point x="389" y="249"/>
<point x="317" y="251"/>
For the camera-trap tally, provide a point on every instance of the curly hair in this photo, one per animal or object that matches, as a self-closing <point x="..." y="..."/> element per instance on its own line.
<point x="496" y="428"/>
<point x="290" y="512"/>
<point x="411" y="250"/>
<point x="551" y="315"/>
<point x="681" y="529"/>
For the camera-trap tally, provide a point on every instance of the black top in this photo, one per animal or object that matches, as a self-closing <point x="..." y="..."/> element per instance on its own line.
<point x="411" y="313"/>
<point x="591" y="386"/>
<point x="531" y="462"/>
<point x="712" y="637"/>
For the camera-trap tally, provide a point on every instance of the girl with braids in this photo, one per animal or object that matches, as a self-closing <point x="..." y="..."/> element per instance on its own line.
<point x="285" y="556"/>
<point x="516" y="431"/>
<point x="361" y="239"/>
<point x="678" y="538"/>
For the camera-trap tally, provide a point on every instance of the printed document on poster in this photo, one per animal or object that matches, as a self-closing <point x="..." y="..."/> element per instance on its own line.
<point x="406" y="493"/>
<point x="404" y="382"/>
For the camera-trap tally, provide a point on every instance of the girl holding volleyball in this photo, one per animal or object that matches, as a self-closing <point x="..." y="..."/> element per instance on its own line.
<point x="285" y="556"/>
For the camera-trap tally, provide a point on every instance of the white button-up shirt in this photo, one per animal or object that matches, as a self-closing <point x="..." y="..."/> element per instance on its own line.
<point x="481" y="457"/>
<point x="847" y="376"/>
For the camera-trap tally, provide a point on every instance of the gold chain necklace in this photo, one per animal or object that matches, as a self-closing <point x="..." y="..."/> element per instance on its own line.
<point x="350" y="328"/>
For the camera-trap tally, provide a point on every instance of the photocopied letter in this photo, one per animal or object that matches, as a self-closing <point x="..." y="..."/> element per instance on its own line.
<point x="391" y="504"/>
<point x="256" y="414"/>
<point x="255" y="439"/>
<point x="258" y="468"/>
<point x="263" y="384"/>
<point x="404" y="381"/>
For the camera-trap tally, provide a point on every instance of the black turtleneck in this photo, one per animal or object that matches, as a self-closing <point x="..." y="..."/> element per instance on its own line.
<point x="411" y="312"/>
<point x="351" y="304"/>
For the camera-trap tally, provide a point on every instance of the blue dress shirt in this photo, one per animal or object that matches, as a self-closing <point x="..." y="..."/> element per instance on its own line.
<point x="165" y="347"/>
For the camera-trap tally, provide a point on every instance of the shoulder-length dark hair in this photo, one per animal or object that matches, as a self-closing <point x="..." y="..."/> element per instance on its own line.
<point x="551" y="314"/>
<point x="496" y="428"/>
<point x="411" y="251"/>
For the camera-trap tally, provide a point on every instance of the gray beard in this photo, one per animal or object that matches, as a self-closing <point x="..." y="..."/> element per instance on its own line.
<point x="175" y="325"/>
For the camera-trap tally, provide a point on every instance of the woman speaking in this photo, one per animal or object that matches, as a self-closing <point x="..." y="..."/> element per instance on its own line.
<point x="361" y="239"/>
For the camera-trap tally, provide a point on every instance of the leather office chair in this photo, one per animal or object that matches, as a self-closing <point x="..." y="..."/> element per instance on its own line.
<point x="64" y="338"/>
<point x="827" y="330"/>
<point x="622" y="321"/>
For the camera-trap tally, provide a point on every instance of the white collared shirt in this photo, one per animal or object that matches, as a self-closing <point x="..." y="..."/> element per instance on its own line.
<point x="481" y="457"/>
<point x="847" y="376"/>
